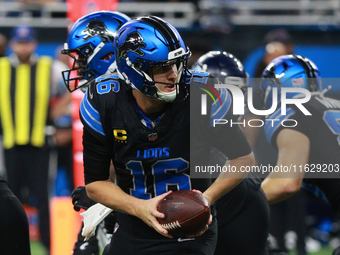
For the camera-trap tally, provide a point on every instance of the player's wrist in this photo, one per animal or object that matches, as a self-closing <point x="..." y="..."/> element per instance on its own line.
<point x="136" y="207"/>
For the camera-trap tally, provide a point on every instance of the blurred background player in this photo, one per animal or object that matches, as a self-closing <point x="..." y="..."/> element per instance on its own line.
<point x="26" y="92"/>
<point x="249" y="217"/>
<point x="287" y="215"/>
<point x="313" y="140"/>
<point x="90" y="45"/>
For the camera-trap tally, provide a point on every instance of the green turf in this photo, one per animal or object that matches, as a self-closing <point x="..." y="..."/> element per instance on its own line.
<point x="323" y="251"/>
<point x="37" y="248"/>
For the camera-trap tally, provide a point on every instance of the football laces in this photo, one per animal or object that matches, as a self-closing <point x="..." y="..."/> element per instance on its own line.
<point x="171" y="225"/>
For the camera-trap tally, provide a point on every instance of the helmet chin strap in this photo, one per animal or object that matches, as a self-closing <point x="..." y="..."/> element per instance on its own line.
<point x="166" y="96"/>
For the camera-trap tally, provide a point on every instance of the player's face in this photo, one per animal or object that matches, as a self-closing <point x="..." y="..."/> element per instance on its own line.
<point x="81" y="61"/>
<point x="165" y="74"/>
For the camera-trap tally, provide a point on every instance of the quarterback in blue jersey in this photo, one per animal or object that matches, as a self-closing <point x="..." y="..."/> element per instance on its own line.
<point x="249" y="218"/>
<point x="308" y="144"/>
<point x="141" y="121"/>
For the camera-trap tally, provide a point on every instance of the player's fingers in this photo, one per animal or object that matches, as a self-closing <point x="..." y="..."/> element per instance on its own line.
<point x="76" y="207"/>
<point x="197" y="191"/>
<point x="210" y="220"/>
<point x="155" y="212"/>
<point x="158" y="227"/>
<point x="160" y="197"/>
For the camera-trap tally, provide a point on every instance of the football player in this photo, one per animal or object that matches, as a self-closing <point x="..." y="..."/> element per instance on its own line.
<point x="90" y="45"/>
<point x="141" y="121"/>
<point x="306" y="134"/>
<point x="248" y="219"/>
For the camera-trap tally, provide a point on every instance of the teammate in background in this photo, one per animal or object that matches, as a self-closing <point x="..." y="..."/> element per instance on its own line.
<point x="90" y="45"/>
<point x="313" y="141"/>
<point x="148" y="108"/>
<point x="287" y="215"/>
<point x="249" y="217"/>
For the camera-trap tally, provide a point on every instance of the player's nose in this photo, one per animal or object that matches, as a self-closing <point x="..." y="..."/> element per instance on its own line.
<point x="173" y="74"/>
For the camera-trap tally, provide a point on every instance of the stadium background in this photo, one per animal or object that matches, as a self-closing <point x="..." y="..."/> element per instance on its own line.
<point x="238" y="27"/>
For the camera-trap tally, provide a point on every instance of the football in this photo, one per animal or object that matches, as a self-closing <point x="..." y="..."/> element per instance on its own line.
<point x="186" y="213"/>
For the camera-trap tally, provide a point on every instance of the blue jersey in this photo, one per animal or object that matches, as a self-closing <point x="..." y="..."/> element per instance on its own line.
<point x="151" y="154"/>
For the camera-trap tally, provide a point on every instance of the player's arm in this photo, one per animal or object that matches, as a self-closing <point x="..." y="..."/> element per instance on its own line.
<point x="112" y="196"/>
<point x="231" y="141"/>
<point x="100" y="188"/>
<point x="226" y="181"/>
<point x="293" y="147"/>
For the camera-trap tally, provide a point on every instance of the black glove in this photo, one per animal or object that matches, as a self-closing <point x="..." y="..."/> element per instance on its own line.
<point x="80" y="199"/>
<point x="110" y="222"/>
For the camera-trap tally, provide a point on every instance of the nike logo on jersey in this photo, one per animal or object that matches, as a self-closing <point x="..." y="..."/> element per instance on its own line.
<point x="185" y="239"/>
<point x="153" y="153"/>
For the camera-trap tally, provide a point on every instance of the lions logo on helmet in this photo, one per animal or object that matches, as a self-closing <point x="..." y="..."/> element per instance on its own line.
<point x="133" y="42"/>
<point x="98" y="28"/>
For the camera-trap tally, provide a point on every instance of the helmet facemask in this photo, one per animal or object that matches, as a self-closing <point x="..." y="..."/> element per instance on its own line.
<point x="79" y="75"/>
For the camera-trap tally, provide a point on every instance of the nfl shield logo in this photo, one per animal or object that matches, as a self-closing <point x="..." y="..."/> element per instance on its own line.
<point x="153" y="137"/>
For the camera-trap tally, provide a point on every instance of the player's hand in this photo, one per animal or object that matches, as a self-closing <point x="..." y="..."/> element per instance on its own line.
<point x="147" y="212"/>
<point x="80" y="200"/>
<point x="203" y="230"/>
<point x="208" y="223"/>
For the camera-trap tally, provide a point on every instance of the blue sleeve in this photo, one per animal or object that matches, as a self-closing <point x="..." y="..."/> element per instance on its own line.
<point x="90" y="115"/>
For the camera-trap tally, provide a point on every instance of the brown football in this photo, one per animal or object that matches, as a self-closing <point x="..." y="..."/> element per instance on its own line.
<point x="186" y="213"/>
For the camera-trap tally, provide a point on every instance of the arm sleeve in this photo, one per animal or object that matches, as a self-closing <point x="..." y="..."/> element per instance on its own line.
<point x="97" y="150"/>
<point x="97" y="158"/>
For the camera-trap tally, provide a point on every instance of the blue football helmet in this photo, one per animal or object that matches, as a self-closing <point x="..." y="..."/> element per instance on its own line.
<point x="90" y="45"/>
<point x="147" y="42"/>
<point x="293" y="71"/>
<point x="224" y="66"/>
